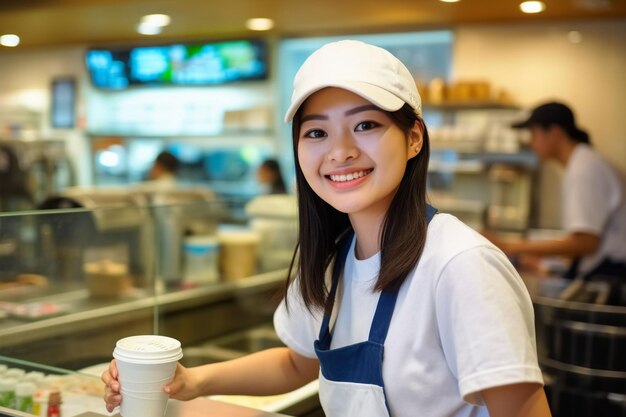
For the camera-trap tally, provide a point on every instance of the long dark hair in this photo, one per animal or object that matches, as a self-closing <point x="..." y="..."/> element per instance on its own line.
<point x="321" y="226"/>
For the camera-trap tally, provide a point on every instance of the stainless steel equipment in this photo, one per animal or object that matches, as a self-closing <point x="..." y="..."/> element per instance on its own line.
<point x="581" y="348"/>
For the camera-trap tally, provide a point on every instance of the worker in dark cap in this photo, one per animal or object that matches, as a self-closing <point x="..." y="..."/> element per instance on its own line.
<point x="594" y="198"/>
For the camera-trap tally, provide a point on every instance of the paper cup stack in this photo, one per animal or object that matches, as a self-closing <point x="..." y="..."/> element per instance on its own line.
<point x="145" y="363"/>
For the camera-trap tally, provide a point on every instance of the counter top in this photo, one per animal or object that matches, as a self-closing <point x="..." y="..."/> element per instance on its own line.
<point x="83" y="313"/>
<point x="200" y="407"/>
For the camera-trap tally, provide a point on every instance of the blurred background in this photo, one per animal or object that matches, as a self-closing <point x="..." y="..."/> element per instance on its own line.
<point x="147" y="126"/>
<point x="92" y="92"/>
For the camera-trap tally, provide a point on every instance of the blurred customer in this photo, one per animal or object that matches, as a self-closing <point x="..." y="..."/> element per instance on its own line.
<point x="271" y="178"/>
<point x="594" y="198"/>
<point x="164" y="168"/>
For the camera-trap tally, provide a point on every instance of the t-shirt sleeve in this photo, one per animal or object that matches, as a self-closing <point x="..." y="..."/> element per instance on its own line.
<point x="486" y="323"/>
<point x="589" y="197"/>
<point x="296" y="326"/>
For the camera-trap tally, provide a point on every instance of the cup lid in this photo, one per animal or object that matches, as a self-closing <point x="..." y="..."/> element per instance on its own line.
<point x="148" y="349"/>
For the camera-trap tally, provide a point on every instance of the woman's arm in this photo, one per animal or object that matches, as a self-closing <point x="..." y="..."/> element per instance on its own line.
<point x="269" y="372"/>
<point x="517" y="400"/>
<point x="571" y="245"/>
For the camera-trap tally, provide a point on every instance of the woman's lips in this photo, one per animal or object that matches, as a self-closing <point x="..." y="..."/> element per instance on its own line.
<point x="350" y="176"/>
<point x="348" y="179"/>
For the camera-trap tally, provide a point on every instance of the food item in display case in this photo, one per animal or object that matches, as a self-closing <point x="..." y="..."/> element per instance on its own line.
<point x="32" y="310"/>
<point x="7" y="391"/>
<point x="15" y="373"/>
<point x="107" y="278"/>
<point x="54" y="404"/>
<point x="40" y="394"/>
<point x="24" y="392"/>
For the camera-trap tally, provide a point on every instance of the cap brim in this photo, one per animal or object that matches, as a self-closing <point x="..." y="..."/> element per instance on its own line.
<point x="378" y="96"/>
<point x="522" y="125"/>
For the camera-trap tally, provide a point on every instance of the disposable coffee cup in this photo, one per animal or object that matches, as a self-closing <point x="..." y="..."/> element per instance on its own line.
<point x="145" y="364"/>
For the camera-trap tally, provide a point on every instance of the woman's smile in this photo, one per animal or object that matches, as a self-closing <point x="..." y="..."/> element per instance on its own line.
<point x="349" y="179"/>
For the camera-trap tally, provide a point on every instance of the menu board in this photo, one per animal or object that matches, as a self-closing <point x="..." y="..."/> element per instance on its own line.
<point x="178" y="64"/>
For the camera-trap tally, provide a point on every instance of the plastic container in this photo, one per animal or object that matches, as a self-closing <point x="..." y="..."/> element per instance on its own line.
<point x="40" y="402"/>
<point x="34" y="377"/>
<point x="15" y="373"/>
<point x="24" y="392"/>
<point x="201" y="259"/>
<point x="275" y="219"/>
<point x="7" y="392"/>
<point x="238" y="253"/>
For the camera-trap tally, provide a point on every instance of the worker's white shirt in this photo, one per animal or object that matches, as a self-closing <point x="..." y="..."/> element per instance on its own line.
<point x="594" y="201"/>
<point x="463" y="322"/>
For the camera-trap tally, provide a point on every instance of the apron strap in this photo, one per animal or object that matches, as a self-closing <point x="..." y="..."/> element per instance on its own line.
<point x="340" y="261"/>
<point x="386" y="302"/>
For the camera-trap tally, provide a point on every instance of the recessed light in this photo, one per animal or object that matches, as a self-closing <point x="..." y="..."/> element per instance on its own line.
<point x="259" y="23"/>
<point x="148" y="29"/>
<point x="9" y="40"/>
<point x="156" y="19"/>
<point x="532" y="6"/>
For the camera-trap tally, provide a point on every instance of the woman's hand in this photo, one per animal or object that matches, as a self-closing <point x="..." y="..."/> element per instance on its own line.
<point x="112" y="395"/>
<point x="184" y="386"/>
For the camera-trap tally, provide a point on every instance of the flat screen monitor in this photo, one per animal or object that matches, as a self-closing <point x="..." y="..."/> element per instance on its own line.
<point x="178" y="64"/>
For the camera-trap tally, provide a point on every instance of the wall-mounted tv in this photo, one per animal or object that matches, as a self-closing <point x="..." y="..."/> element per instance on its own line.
<point x="178" y="64"/>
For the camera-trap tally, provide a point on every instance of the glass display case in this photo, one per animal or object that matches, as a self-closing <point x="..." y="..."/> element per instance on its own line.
<point x="99" y="265"/>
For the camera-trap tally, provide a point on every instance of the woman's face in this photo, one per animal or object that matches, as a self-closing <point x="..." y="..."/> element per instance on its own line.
<point x="351" y="153"/>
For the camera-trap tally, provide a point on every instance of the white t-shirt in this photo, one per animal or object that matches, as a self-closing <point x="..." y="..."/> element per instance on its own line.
<point x="463" y="322"/>
<point x="594" y="201"/>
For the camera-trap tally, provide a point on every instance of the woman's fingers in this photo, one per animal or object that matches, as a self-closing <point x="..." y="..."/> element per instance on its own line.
<point x="112" y="396"/>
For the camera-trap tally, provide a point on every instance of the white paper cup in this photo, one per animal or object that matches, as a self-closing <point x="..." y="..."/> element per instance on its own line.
<point x="145" y="364"/>
<point x="152" y="395"/>
<point x="143" y="406"/>
<point x="143" y="386"/>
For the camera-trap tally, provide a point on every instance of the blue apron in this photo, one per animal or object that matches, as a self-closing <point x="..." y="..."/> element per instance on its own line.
<point x="351" y="378"/>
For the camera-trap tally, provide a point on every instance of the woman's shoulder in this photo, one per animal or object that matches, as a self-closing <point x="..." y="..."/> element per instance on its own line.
<point x="448" y="236"/>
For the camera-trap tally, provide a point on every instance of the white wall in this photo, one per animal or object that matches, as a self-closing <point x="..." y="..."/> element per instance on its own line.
<point x="538" y="62"/>
<point x="25" y="83"/>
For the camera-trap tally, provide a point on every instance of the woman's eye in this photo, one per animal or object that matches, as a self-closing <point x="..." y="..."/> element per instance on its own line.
<point x="367" y="125"/>
<point x="314" y="134"/>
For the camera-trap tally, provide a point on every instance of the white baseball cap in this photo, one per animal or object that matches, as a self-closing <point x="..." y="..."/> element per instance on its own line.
<point x="367" y="70"/>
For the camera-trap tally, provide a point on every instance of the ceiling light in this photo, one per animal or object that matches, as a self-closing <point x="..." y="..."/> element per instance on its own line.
<point x="532" y="6"/>
<point x="574" y="36"/>
<point x="259" y="23"/>
<point x="148" y="29"/>
<point x="450" y="1"/>
<point x="9" y="40"/>
<point x="156" y="20"/>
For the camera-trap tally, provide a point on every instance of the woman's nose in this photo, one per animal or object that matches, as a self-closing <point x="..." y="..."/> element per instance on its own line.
<point x="343" y="148"/>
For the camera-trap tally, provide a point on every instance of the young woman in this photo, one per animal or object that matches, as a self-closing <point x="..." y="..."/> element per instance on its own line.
<point x="397" y="310"/>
